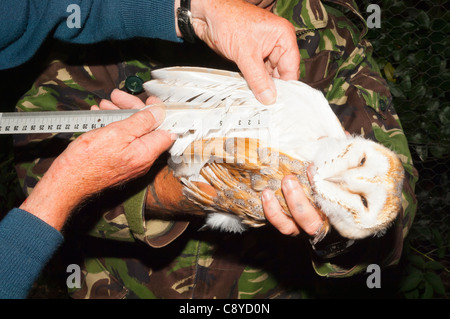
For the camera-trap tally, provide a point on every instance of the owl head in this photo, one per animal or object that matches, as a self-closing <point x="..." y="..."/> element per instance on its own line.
<point x="357" y="183"/>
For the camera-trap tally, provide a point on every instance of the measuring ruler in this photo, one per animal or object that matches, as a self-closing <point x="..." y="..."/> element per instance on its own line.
<point x="83" y="121"/>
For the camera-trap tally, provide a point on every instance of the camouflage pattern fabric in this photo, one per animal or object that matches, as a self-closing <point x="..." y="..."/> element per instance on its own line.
<point x="129" y="254"/>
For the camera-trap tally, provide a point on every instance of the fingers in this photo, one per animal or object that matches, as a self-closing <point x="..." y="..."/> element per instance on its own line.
<point x="304" y="215"/>
<point x="284" y="63"/>
<point x="300" y="207"/>
<point x="286" y="57"/>
<point x="145" y="121"/>
<point x="136" y="140"/>
<point x="275" y="215"/>
<point x="119" y="100"/>
<point x="149" y="144"/>
<point x="125" y="100"/>
<point x="153" y="100"/>
<point x="106" y="105"/>
<point x="140" y="123"/>
<point x="259" y="80"/>
<point x="156" y="142"/>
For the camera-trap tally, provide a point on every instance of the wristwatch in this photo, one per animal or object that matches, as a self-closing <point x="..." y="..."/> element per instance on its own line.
<point x="184" y="21"/>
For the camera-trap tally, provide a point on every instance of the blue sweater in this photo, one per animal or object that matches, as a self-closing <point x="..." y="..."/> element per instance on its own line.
<point x="25" y="24"/>
<point x="26" y="245"/>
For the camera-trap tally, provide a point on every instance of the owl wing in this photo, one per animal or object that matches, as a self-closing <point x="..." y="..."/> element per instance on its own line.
<point x="205" y="97"/>
<point x="300" y="116"/>
<point x="240" y="170"/>
<point x="304" y="117"/>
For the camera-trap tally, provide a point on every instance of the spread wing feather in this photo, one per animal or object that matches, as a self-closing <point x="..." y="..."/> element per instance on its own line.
<point x="300" y="116"/>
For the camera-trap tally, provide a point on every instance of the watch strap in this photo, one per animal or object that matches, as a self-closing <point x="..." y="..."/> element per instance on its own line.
<point x="184" y="21"/>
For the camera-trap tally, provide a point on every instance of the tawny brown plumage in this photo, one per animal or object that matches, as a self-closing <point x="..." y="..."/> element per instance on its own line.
<point x="239" y="169"/>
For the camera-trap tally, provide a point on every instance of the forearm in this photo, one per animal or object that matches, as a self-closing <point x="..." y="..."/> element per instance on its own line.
<point x="54" y="197"/>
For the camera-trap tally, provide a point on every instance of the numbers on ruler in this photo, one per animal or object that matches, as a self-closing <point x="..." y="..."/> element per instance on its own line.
<point x="244" y="123"/>
<point x="68" y="127"/>
<point x="56" y="123"/>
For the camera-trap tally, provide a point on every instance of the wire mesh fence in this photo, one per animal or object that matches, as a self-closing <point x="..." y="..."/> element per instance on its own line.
<point x="412" y="47"/>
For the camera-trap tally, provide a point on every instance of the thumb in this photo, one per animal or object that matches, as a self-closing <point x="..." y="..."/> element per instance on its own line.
<point x="145" y="120"/>
<point x="259" y="81"/>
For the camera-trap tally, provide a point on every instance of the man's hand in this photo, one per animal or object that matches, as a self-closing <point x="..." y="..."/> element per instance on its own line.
<point x="96" y="160"/>
<point x="259" y="42"/>
<point x="304" y="215"/>
<point x="165" y="193"/>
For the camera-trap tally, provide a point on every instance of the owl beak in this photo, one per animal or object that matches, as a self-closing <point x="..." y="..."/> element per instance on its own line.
<point x="337" y="179"/>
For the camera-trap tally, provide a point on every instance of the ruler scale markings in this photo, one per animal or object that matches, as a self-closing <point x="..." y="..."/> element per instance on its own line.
<point x="83" y="121"/>
<point x="58" y="122"/>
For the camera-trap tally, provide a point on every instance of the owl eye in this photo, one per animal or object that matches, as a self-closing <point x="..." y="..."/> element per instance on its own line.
<point x="363" y="160"/>
<point x="364" y="201"/>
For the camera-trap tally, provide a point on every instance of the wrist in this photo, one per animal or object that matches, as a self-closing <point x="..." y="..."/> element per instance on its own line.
<point x="198" y="8"/>
<point x="53" y="198"/>
<point x="47" y="204"/>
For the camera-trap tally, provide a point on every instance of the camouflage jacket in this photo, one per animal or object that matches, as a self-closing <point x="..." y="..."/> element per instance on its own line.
<point x="128" y="254"/>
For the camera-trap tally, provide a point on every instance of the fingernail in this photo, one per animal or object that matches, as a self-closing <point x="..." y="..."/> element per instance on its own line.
<point x="290" y="184"/>
<point x="267" y="194"/>
<point x="158" y="112"/>
<point x="173" y="136"/>
<point x="266" y="97"/>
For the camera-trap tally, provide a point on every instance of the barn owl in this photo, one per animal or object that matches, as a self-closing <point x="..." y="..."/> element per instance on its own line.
<point x="354" y="183"/>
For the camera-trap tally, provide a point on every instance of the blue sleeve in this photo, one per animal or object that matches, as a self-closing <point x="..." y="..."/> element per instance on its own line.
<point x="26" y="245"/>
<point x="25" y="24"/>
